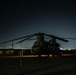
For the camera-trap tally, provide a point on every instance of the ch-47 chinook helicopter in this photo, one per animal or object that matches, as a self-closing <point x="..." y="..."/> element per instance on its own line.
<point x="40" y="46"/>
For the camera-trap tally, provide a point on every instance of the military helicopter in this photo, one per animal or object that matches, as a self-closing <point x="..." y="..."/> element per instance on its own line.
<point x="40" y="46"/>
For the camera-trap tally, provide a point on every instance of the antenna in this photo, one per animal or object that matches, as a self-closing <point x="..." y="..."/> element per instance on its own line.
<point x="12" y="44"/>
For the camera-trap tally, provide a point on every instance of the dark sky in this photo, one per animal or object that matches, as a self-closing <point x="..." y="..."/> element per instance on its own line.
<point x="19" y="18"/>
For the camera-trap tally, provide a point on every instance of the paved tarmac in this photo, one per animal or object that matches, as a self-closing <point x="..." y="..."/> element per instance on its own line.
<point x="38" y="66"/>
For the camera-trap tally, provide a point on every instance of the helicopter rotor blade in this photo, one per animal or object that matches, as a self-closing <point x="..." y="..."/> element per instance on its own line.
<point x="29" y="36"/>
<point x="25" y="39"/>
<point x="71" y="38"/>
<point x="16" y="39"/>
<point x="52" y="36"/>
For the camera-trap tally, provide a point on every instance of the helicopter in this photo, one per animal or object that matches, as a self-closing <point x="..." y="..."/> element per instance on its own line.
<point x="40" y="46"/>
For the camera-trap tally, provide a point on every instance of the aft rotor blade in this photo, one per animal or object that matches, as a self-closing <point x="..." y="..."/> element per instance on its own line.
<point x="52" y="36"/>
<point x="71" y="38"/>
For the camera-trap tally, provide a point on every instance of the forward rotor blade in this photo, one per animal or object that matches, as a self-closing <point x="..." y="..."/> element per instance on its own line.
<point x="25" y="39"/>
<point x="16" y="39"/>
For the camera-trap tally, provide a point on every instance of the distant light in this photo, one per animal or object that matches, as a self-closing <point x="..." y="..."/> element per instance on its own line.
<point x="69" y="49"/>
<point x="61" y="49"/>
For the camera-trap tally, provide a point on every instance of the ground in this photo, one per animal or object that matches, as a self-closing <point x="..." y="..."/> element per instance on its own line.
<point x="38" y="66"/>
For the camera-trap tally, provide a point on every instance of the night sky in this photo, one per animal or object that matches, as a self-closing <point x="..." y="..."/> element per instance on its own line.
<point x="20" y="18"/>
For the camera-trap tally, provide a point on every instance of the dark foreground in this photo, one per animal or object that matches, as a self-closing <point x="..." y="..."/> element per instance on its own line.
<point x="38" y="66"/>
